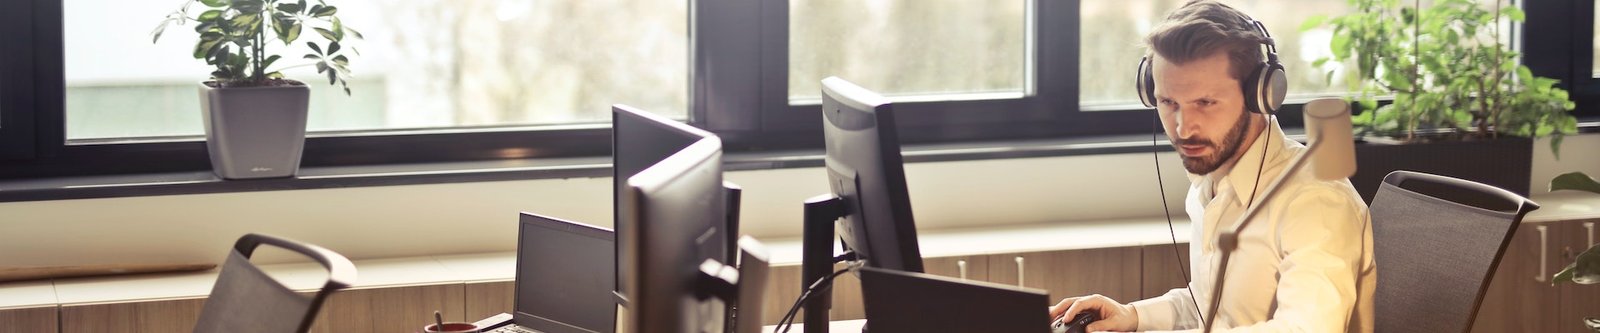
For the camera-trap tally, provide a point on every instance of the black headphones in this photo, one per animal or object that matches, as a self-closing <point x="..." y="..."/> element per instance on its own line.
<point x="1263" y="90"/>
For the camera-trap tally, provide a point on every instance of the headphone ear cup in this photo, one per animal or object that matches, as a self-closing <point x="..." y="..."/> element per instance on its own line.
<point x="1274" y="88"/>
<point x="1251" y="87"/>
<point x="1145" y="83"/>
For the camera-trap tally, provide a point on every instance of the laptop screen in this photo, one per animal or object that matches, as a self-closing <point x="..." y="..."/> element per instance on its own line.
<point x="565" y="275"/>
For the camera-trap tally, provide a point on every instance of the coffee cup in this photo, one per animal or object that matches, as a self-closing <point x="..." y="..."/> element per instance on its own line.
<point x="452" y="328"/>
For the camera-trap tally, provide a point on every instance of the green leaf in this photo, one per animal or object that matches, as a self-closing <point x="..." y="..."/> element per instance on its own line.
<point x="268" y="62"/>
<point x="338" y="29"/>
<point x="1575" y="181"/>
<point x="355" y="33"/>
<point x="1555" y="145"/>
<point x="1340" y="46"/>
<point x="249" y="6"/>
<point x="209" y="15"/>
<point x="333" y="76"/>
<point x="291" y="33"/>
<point x="1514" y="13"/>
<point x="290" y="7"/>
<point x="1584" y="270"/>
<point x="314" y="47"/>
<point x="327" y="34"/>
<point x="1313" y="22"/>
<point x="1524" y="73"/>
<point x="324" y="12"/>
<point x="341" y="60"/>
<point x="216" y="3"/>
<point x="333" y="47"/>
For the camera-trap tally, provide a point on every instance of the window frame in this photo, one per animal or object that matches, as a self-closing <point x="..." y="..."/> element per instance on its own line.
<point x="738" y="89"/>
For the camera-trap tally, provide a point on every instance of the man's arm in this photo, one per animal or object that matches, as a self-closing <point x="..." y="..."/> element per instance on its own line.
<point x="1169" y="311"/>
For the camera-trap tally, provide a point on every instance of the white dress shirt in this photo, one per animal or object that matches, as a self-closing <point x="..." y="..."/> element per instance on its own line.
<point x="1304" y="263"/>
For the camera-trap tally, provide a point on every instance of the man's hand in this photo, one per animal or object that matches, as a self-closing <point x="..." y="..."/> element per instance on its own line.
<point x="1113" y="316"/>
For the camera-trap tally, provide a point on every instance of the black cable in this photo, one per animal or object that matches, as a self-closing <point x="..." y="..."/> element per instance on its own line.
<point x="1155" y="155"/>
<point x="824" y="283"/>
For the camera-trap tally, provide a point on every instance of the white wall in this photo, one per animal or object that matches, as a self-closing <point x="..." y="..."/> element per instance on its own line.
<point x="391" y="221"/>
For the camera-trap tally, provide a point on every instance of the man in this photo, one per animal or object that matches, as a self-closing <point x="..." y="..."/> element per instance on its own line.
<point x="1304" y="263"/>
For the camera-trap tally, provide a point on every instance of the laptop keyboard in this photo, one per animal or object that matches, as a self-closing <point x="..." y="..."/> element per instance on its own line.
<point x="512" y="329"/>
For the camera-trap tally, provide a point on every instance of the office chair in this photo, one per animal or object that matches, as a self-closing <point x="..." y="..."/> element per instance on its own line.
<point x="1436" y="242"/>
<point x="245" y="299"/>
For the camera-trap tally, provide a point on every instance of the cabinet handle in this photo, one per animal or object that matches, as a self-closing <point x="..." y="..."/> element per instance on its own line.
<point x="1020" y="271"/>
<point x="1544" y="249"/>
<point x="962" y="265"/>
<point x="1590" y="227"/>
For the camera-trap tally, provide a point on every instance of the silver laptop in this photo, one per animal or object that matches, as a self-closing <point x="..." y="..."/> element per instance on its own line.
<point x="565" y="277"/>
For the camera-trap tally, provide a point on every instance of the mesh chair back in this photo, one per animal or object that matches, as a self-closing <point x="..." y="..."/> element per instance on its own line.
<point x="1435" y="256"/>
<point x="245" y="299"/>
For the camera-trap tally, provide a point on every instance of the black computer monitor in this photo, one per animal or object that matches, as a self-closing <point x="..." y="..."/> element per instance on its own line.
<point x="640" y="140"/>
<point x="865" y="169"/>
<point x="673" y="210"/>
<point x="869" y="207"/>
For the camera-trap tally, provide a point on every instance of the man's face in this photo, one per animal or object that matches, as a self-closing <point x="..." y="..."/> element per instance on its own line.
<point x="1202" y="109"/>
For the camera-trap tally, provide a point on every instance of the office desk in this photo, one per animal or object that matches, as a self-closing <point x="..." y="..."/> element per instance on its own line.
<point x="837" y="326"/>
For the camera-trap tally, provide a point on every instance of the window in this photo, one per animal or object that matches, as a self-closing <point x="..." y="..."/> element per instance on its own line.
<point x="908" y="47"/>
<point x="1111" y="50"/>
<point x="1595" y="45"/>
<point x="424" y="64"/>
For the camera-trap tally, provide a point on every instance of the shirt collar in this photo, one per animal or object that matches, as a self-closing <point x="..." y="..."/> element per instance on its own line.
<point x="1241" y="176"/>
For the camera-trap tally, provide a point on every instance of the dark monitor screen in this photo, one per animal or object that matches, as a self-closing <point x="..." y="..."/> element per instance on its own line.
<point x="564" y="276"/>
<point x="640" y="140"/>
<point x="865" y="169"/>
<point x="675" y="208"/>
<point x="897" y="301"/>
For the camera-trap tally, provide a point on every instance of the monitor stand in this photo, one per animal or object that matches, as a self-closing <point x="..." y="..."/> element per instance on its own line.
<point x="816" y="263"/>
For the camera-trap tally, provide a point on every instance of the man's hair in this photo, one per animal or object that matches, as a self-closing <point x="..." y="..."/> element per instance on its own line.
<point x="1200" y="29"/>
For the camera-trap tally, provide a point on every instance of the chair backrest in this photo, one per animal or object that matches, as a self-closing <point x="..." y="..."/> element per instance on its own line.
<point x="246" y="299"/>
<point x="1435" y="256"/>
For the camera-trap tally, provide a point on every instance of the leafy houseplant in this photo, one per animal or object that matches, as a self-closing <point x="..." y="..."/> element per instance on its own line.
<point x="1586" y="268"/>
<point x="255" y="118"/>
<point x="1455" y="88"/>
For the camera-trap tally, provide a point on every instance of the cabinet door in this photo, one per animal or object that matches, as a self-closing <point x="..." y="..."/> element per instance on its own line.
<point x="1577" y="301"/>
<point x="1515" y="301"/>
<point x="1113" y="272"/>
<point x="41" y="319"/>
<point x="1164" y="269"/>
<point x="134" y="317"/>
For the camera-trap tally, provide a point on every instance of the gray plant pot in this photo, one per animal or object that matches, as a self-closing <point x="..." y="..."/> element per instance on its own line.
<point x="255" y="132"/>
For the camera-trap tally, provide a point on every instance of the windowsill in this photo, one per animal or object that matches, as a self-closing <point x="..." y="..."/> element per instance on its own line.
<point x="203" y="182"/>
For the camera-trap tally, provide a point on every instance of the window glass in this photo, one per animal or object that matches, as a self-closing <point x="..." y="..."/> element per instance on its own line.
<point x="908" y="47"/>
<point x="423" y="64"/>
<point x="1113" y="42"/>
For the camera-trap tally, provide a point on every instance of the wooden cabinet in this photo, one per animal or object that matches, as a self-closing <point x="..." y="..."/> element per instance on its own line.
<point x="390" y="309"/>
<point x="1113" y="272"/>
<point x="1164" y="269"/>
<point x="41" y="319"/>
<point x="1518" y="302"/>
<point x="134" y="317"/>
<point x="1577" y="301"/>
<point x="484" y="299"/>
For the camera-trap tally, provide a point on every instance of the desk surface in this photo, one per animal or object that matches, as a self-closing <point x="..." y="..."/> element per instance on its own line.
<point x="840" y="326"/>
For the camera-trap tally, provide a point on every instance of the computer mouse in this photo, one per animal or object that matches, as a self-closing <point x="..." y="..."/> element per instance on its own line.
<point x="1078" y="324"/>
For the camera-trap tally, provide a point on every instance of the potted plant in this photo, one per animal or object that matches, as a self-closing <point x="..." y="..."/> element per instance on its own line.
<point x="255" y="119"/>
<point x="1462" y="104"/>
<point x="1586" y="268"/>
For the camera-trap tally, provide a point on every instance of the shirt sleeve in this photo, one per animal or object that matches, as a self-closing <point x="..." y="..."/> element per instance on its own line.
<point x="1168" y="311"/>
<point x="1320" y="236"/>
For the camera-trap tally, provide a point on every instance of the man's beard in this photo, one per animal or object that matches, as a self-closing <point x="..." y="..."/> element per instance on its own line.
<point x="1203" y="165"/>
